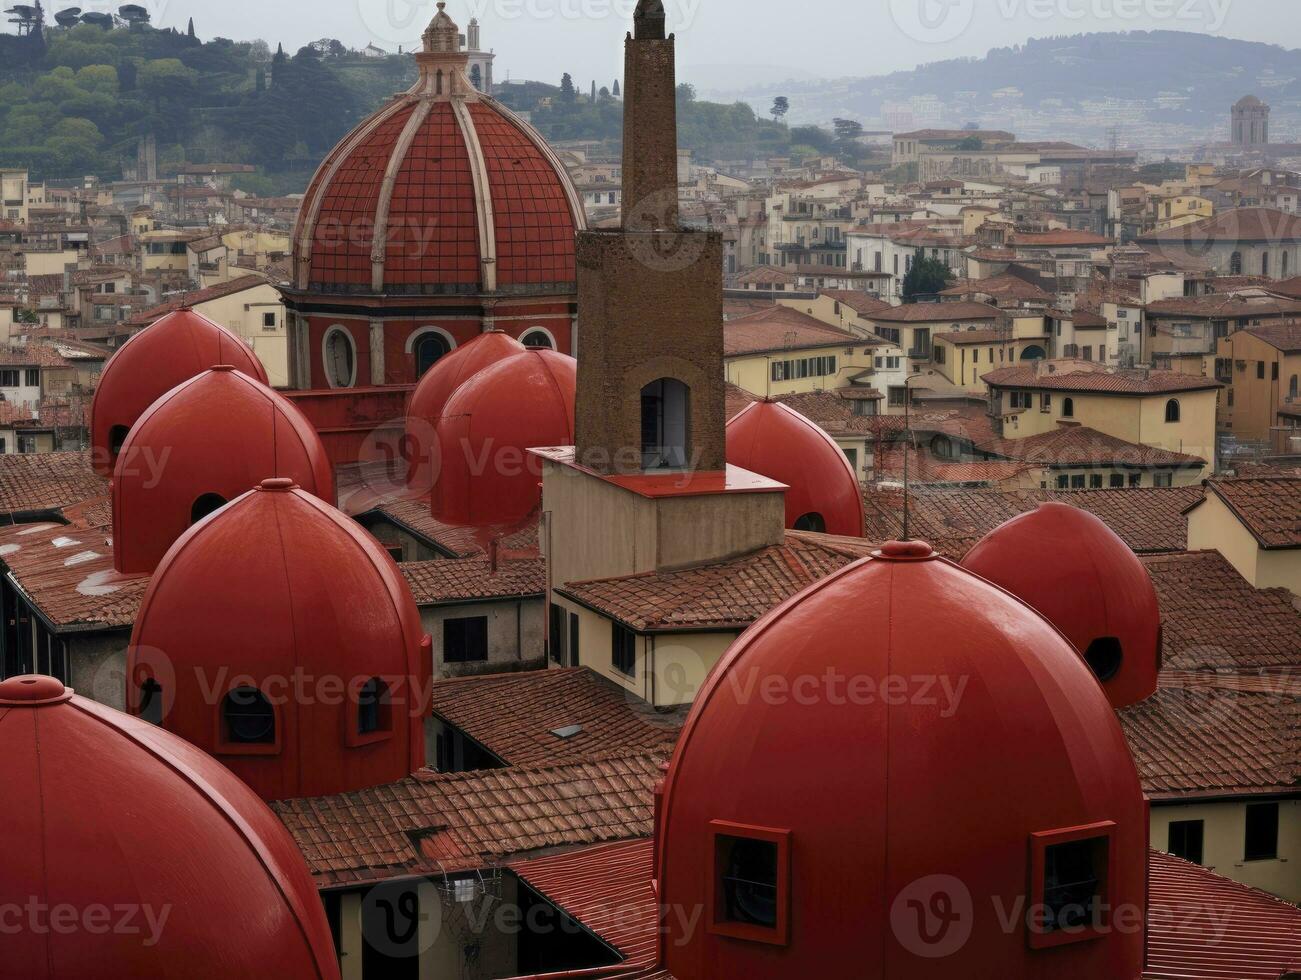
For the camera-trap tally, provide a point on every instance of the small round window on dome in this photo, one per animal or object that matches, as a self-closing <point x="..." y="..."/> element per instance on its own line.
<point x="248" y="718"/>
<point x="1104" y="657"/>
<point x="117" y="437"/>
<point x="811" y="522"/>
<point x="205" y="505"/>
<point x="538" y="338"/>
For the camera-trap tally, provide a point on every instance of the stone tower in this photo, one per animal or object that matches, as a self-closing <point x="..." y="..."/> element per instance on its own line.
<point x="650" y="297"/>
<point x="1250" y="122"/>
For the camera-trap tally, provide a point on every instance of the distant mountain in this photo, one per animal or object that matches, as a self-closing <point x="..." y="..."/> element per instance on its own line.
<point x="1145" y="89"/>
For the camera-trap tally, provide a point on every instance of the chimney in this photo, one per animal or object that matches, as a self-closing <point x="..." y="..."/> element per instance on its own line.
<point x="650" y="123"/>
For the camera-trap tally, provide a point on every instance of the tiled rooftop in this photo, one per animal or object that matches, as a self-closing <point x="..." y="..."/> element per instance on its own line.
<point x="1269" y="508"/>
<point x="1104" y="382"/>
<point x="936" y="313"/>
<point x="431" y="823"/>
<point x="41" y="482"/>
<point x="779" y="329"/>
<point x="1080" y="445"/>
<point x="453" y="581"/>
<point x="514" y="716"/>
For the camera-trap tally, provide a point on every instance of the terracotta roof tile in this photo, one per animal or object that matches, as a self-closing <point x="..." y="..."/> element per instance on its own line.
<point x="864" y="304"/>
<point x="1236" y="225"/>
<point x="725" y="596"/>
<point x="454" y="581"/>
<point x="778" y="329"/>
<point x="1285" y="337"/>
<point x="1080" y="445"/>
<point x="1106" y="382"/>
<point x="198" y="296"/>
<point x="41" y="482"/>
<point x="514" y="716"/>
<point x="431" y="823"/>
<point x="937" y="313"/>
<point x="464" y="541"/>
<point x="1270" y="508"/>
<point x="1217" y="306"/>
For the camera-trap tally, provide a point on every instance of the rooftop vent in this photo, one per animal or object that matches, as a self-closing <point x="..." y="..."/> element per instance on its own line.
<point x="569" y="731"/>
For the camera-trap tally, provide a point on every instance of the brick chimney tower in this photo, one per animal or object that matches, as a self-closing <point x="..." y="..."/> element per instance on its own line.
<point x="650" y="297"/>
<point x="650" y="123"/>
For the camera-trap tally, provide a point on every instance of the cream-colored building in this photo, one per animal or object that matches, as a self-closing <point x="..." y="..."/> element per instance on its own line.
<point x="782" y="351"/>
<point x="14" y="199"/>
<point x="1262" y="367"/>
<point x="1152" y="408"/>
<point x="1256" y="525"/>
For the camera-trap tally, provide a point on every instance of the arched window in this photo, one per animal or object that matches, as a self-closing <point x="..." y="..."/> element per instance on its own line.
<point x="340" y="357"/>
<point x="116" y="437"/>
<point x="205" y="505"/>
<point x="1264" y="265"/>
<point x="151" y="701"/>
<point x="373" y="713"/>
<point x="1105" y="657"/>
<point x="1033" y="353"/>
<point x="665" y="407"/>
<point x="538" y="338"/>
<point x="1068" y="408"/>
<point x="1235" y="264"/>
<point x="247" y="718"/>
<point x="428" y="348"/>
<point x="811" y="522"/>
<point x="1172" y="410"/>
<point x="476" y="77"/>
<point x="1292" y="388"/>
<point x="1283" y="270"/>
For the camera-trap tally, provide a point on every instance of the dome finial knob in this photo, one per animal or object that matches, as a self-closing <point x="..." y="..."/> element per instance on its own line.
<point x="442" y="34"/>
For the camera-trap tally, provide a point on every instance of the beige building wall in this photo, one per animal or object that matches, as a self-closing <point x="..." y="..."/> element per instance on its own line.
<point x="49" y="263"/>
<point x="1224" y="837"/>
<point x="753" y="372"/>
<point x="243" y="313"/>
<point x="516" y="635"/>
<point x="1212" y="526"/>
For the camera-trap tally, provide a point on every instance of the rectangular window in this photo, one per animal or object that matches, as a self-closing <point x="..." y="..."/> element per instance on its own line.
<point x="1262" y="832"/>
<point x="1260" y="370"/>
<point x="9" y="378"/>
<point x="1136" y="479"/>
<point x="623" y="650"/>
<point x="1273" y="371"/>
<point x="750" y="893"/>
<point x="34" y="376"/>
<point x="1070" y="885"/>
<point x="573" y="640"/>
<point x="1117" y="481"/>
<point x="1063" y="483"/>
<point x="1045" y="402"/>
<point x="1163" y="479"/>
<point x="556" y="633"/>
<point x="465" y="640"/>
<point x="268" y="321"/>
<point x="1077" y="482"/>
<point x="1095" y="481"/>
<point x="1185" y="840"/>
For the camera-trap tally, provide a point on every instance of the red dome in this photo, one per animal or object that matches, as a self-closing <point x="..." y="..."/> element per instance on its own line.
<point x="443" y="190"/>
<point x="1078" y="573"/>
<point x="523" y="402"/>
<point x="437" y="385"/>
<point x="778" y="442"/>
<point x="879" y="769"/>
<point x="152" y="363"/>
<point x="187" y="872"/>
<point x="282" y="593"/>
<point x="205" y="442"/>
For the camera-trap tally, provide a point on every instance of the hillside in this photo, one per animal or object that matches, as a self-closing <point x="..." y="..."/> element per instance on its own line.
<point x="1159" y="88"/>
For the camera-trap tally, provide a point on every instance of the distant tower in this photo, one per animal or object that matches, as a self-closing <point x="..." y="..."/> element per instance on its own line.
<point x="650" y="297"/>
<point x="1250" y="122"/>
<point x="480" y="64"/>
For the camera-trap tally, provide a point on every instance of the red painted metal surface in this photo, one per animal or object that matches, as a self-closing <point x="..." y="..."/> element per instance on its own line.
<point x="486" y="475"/>
<point x="432" y="393"/>
<point x="901" y="719"/>
<point x="154" y="858"/>
<point x="769" y="438"/>
<point x="356" y="424"/>
<point x="152" y="363"/>
<point x="1083" y="578"/>
<point x="286" y="592"/>
<point x="219" y="433"/>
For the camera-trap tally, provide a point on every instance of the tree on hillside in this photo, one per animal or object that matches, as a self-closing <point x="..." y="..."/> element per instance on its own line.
<point x="567" y="91"/>
<point x="926" y="278"/>
<point x="780" y="106"/>
<point x="616" y="88"/>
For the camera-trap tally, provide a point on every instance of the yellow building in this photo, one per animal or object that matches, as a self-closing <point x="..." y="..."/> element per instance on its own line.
<point x="1152" y="408"/>
<point x="781" y="351"/>
<point x="14" y="199"/>
<point x="1256" y="525"/>
<point x="963" y="357"/>
<point x="1179" y="209"/>
<point x="844" y="309"/>
<point x="913" y="325"/>
<point x="165" y="251"/>
<point x="1262" y="367"/>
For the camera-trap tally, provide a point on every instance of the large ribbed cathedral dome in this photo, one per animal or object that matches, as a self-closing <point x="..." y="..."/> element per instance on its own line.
<point x="443" y="190"/>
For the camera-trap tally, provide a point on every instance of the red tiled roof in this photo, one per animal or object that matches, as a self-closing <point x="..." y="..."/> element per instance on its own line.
<point x="1284" y="337"/>
<point x="1216" y="306"/>
<point x="608" y="889"/>
<point x="1149" y="520"/>
<point x="736" y="398"/>
<point x="1291" y="288"/>
<point x="724" y="596"/>
<point x="864" y="304"/>
<point x="833" y="411"/>
<point x="1204" y="742"/>
<point x="1000" y="287"/>
<point x="197" y="297"/>
<point x="1203" y="926"/>
<point x="924" y="469"/>
<point x="778" y="329"/>
<point x="1080" y="445"/>
<point x="1100" y="382"/>
<point x="46" y="481"/>
<point x="1215" y="619"/>
<point x="1236" y="225"/>
<point x="1270" y="508"/>
<point x="937" y="313"/>
<point x="432" y="823"/>
<point x="514" y="716"/>
<point x="68" y="575"/>
<point x="960" y="337"/>
<point x="1060" y="238"/>
<point x="766" y="275"/>
<point x="456" y="581"/>
<point x="463" y="541"/>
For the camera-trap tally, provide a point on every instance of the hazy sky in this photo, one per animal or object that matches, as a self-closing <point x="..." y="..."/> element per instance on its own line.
<point x="543" y="38"/>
